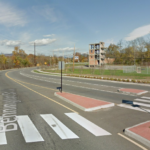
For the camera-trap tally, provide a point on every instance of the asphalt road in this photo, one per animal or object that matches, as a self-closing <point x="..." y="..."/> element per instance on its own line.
<point x="34" y="96"/>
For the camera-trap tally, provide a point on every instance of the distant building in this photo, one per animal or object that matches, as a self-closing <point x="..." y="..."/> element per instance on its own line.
<point x="97" y="54"/>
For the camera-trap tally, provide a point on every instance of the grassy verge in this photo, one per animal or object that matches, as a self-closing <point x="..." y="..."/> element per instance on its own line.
<point x="105" y="73"/>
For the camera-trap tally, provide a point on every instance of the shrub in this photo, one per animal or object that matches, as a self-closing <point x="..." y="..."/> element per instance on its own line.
<point x="128" y="80"/>
<point x="119" y="79"/>
<point x="133" y="81"/>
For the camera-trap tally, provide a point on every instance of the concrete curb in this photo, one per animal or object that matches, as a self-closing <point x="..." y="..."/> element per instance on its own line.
<point x="136" y="136"/>
<point x="83" y="108"/>
<point x="136" y="94"/>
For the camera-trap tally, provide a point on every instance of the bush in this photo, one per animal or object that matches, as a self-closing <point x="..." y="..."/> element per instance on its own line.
<point x="128" y="80"/>
<point x="119" y="79"/>
<point x="133" y="81"/>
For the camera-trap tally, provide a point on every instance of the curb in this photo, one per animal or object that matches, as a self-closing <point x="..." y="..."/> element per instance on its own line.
<point x="132" y="92"/>
<point x="136" y="136"/>
<point x="83" y="108"/>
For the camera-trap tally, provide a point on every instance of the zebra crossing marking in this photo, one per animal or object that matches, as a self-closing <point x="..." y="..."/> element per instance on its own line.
<point x="3" y="140"/>
<point x="142" y="100"/>
<point x="145" y="97"/>
<point x="141" y="104"/>
<point x="88" y="125"/>
<point x="144" y="104"/>
<point x="29" y="131"/>
<point x="62" y="131"/>
<point x="131" y="107"/>
<point x="31" y="134"/>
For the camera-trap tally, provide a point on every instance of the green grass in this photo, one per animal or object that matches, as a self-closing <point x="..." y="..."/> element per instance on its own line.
<point x="111" y="73"/>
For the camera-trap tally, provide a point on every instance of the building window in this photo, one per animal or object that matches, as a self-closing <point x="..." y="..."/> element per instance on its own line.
<point x="91" y="51"/>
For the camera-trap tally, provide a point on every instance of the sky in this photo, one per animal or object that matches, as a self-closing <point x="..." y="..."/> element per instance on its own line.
<point x="60" y="25"/>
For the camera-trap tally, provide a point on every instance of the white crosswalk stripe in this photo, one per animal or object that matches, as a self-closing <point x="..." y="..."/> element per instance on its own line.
<point x="31" y="134"/>
<point x="88" y="125"/>
<point x="145" y="97"/>
<point x="143" y="102"/>
<point x="59" y="127"/>
<point x="29" y="131"/>
<point x="3" y="139"/>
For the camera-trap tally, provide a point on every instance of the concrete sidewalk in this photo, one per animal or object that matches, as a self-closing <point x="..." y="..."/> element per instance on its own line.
<point x="84" y="103"/>
<point x="140" y="132"/>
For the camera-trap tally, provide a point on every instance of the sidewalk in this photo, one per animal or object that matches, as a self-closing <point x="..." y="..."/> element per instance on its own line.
<point x="140" y="132"/>
<point x="83" y="103"/>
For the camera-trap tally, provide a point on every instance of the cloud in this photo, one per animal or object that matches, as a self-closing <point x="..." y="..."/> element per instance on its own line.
<point x="47" y="12"/>
<point x="10" y="43"/>
<point x="42" y="42"/>
<point x="66" y="49"/>
<point x="48" y="35"/>
<point x="10" y="16"/>
<point x="139" y="32"/>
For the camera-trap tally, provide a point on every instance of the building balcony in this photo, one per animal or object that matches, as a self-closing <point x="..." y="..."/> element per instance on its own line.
<point x="103" y="52"/>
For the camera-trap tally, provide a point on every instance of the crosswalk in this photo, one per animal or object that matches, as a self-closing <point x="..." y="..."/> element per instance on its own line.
<point x="143" y="102"/>
<point x="31" y="134"/>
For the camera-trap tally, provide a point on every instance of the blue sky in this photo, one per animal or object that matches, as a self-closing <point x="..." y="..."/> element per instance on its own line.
<point x="57" y="24"/>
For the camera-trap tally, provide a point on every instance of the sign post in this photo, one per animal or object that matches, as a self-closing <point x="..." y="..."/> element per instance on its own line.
<point x="61" y="66"/>
<point x="61" y="76"/>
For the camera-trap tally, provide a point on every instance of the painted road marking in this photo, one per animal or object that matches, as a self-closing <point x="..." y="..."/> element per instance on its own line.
<point x="3" y="139"/>
<point x="88" y="125"/>
<point x="62" y="131"/>
<point x="142" y="100"/>
<point x="40" y="94"/>
<point x="145" y="97"/>
<point x="141" y="104"/>
<point x="28" y="75"/>
<point x="131" y="107"/>
<point x="29" y="131"/>
<point x="133" y="141"/>
<point x="82" y="87"/>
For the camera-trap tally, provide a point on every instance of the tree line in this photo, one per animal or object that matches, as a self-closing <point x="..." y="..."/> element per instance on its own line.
<point x="135" y="52"/>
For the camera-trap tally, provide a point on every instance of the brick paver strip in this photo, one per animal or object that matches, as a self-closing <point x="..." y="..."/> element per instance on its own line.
<point x="142" y="130"/>
<point x="85" y="102"/>
<point x="132" y="90"/>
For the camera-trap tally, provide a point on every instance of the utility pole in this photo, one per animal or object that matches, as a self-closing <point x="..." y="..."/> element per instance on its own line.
<point x="34" y="54"/>
<point x="73" y="57"/>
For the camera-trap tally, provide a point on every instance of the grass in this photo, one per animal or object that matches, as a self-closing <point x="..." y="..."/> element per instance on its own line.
<point x="107" y="73"/>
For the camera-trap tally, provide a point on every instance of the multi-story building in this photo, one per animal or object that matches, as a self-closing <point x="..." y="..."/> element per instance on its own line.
<point x="97" y="54"/>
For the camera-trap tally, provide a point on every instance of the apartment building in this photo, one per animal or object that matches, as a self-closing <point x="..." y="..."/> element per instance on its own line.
<point x="97" y="54"/>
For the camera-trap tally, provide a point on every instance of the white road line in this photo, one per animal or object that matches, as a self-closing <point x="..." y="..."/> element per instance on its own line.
<point x="68" y="80"/>
<point x="141" y="104"/>
<point x="62" y="131"/>
<point x="82" y="87"/>
<point x="145" y="97"/>
<point x="29" y="131"/>
<point x="131" y="107"/>
<point x="88" y="125"/>
<point x="142" y="100"/>
<point x="3" y="140"/>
